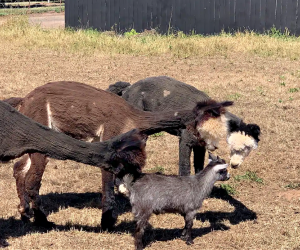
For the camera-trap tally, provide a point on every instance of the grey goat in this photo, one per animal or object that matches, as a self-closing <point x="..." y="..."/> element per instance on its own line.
<point x="158" y="193"/>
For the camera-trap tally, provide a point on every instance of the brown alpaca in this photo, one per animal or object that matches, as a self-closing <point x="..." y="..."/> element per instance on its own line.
<point x="19" y="134"/>
<point x="91" y="114"/>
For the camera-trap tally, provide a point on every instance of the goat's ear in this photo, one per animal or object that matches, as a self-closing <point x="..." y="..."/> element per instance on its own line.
<point x="254" y="131"/>
<point x="211" y="157"/>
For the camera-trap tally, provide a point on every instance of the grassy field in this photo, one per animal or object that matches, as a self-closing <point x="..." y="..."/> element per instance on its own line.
<point x="261" y="73"/>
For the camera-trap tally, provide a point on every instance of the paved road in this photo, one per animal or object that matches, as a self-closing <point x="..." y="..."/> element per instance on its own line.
<point x="48" y="20"/>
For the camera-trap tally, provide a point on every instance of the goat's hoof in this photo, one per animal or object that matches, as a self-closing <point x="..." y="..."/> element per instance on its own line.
<point x="189" y="242"/>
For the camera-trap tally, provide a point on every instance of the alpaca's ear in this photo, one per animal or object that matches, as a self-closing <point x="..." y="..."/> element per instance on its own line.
<point x="233" y="126"/>
<point x="254" y="131"/>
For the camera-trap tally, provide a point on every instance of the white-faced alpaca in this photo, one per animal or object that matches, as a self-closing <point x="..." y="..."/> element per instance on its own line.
<point x="158" y="193"/>
<point x="92" y="114"/>
<point x="164" y="93"/>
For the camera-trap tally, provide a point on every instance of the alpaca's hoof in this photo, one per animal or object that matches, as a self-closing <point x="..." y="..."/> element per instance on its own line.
<point x="108" y="221"/>
<point x="25" y="219"/>
<point x="3" y="243"/>
<point x="46" y="224"/>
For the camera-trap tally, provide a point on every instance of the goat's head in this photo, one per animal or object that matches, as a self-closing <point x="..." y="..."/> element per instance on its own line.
<point x="219" y="166"/>
<point x="118" y="88"/>
<point x="211" y="122"/>
<point x="242" y="139"/>
<point x="129" y="154"/>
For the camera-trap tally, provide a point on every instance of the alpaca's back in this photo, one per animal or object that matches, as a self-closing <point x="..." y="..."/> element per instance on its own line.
<point x="163" y="93"/>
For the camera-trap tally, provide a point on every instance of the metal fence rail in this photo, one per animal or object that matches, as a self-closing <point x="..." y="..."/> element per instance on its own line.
<point x="198" y="16"/>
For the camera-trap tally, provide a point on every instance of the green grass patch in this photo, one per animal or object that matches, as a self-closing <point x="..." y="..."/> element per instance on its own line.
<point x="228" y="188"/>
<point x="293" y="186"/>
<point x="250" y="176"/>
<point x="157" y="169"/>
<point x="159" y="134"/>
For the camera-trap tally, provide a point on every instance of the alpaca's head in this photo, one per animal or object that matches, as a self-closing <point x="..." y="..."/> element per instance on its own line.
<point x="129" y="155"/>
<point x="242" y="139"/>
<point x="211" y="122"/>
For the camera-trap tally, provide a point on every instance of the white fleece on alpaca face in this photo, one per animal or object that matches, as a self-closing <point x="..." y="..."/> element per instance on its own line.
<point x="239" y="140"/>
<point x="213" y="130"/>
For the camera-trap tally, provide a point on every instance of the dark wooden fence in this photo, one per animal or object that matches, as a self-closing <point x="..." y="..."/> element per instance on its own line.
<point x="198" y="16"/>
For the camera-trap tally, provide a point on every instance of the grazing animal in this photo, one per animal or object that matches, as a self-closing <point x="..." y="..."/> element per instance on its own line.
<point x="19" y="135"/>
<point x="162" y="93"/>
<point x="91" y="114"/>
<point x="158" y="193"/>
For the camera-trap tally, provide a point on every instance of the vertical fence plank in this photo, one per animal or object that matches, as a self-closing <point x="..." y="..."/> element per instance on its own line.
<point x="129" y="25"/>
<point x="188" y="19"/>
<point x="199" y="16"/>
<point x="298" y="18"/>
<point x="284" y="16"/>
<point x="270" y="14"/>
<point x="262" y="15"/>
<point x="217" y="18"/>
<point x="291" y="16"/>
<point x="232" y="15"/>
<point x="75" y="13"/>
<point x="277" y="22"/>
<point x="172" y="15"/>
<point x="241" y="14"/>
<point x="225" y="15"/>
<point x="192" y="16"/>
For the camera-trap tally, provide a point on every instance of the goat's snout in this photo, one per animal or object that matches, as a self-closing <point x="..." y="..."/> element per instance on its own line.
<point x="227" y="177"/>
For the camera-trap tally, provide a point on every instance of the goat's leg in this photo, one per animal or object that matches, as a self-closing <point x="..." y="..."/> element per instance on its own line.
<point x="141" y="223"/>
<point x="199" y="157"/>
<point x="33" y="184"/>
<point x="185" y="150"/>
<point x="109" y="215"/>
<point x="20" y="170"/>
<point x="187" y="231"/>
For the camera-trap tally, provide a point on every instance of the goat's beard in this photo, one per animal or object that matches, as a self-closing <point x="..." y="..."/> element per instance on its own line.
<point x="213" y="130"/>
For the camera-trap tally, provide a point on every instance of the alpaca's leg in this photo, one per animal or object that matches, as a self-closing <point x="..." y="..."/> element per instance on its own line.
<point x="20" y="170"/>
<point x="33" y="184"/>
<point x="185" y="150"/>
<point x="187" y="231"/>
<point x="141" y="223"/>
<point x="199" y="157"/>
<point x="109" y="215"/>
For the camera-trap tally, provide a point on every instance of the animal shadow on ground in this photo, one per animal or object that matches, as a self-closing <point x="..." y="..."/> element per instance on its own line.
<point x="52" y="202"/>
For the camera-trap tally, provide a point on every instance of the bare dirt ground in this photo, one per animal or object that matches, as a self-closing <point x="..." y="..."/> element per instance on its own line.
<point x="257" y="216"/>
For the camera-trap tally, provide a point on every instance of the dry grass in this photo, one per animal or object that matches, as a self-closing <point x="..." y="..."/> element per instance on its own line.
<point x="259" y="72"/>
<point x="181" y="46"/>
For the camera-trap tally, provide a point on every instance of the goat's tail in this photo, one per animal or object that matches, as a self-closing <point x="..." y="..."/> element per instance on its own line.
<point x="125" y="187"/>
<point x="14" y="101"/>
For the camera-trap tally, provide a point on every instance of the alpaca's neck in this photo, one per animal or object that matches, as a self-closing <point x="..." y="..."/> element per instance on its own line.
<point x="154" y="122"/>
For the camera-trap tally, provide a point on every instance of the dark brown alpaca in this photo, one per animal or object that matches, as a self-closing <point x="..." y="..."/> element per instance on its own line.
<point x="91" y="114"/>
<point x="19" y="134"/>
